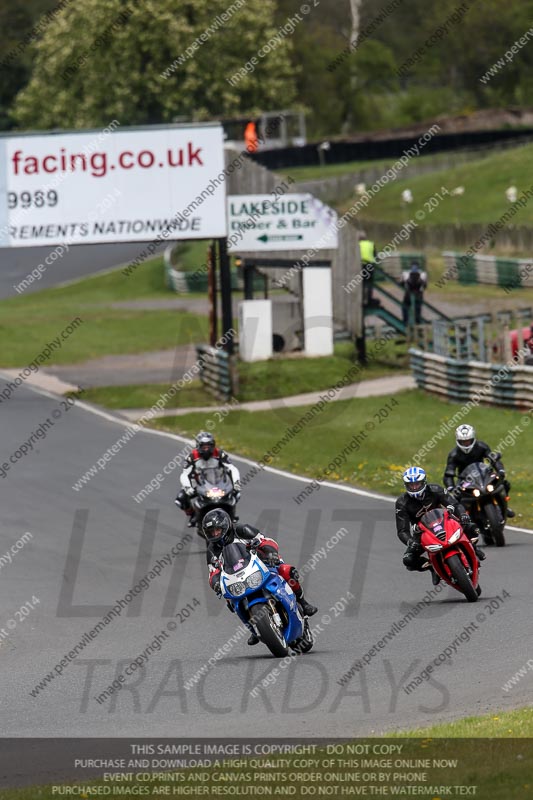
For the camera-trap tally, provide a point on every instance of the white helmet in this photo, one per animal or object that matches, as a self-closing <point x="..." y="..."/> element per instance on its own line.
<point x="465" y="436"/>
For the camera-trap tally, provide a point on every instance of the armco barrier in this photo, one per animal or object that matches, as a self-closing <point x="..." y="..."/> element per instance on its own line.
<point x="493" y="384"/>
<point x="215" y="371"/>
<point x="397" y="263"/>
<point x="509" y="273"/>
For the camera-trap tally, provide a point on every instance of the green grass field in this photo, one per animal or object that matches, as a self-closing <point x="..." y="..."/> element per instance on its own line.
<point x="264" y="380"/>
<point x="484" y="201"/>
<point x="29" y="321"/>
<point x="384" y="449"/>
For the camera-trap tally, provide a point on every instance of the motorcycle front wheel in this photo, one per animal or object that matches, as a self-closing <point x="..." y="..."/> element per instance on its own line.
<point x="496" y="523"/>
<point x="261" y="617"/>
<point x="461" y="578"/>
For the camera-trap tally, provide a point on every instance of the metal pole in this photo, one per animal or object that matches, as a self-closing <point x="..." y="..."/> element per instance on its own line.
<point x="212" y="294"/>
<point x="225" y="294"/>
<point x="360" y="341"/>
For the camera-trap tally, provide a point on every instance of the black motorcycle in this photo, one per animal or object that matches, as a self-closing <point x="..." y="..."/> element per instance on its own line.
<point x="479" y="488"/>
<point x="214" y="489"/>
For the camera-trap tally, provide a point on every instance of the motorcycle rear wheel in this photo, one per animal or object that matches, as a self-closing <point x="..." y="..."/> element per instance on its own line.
<point x="261" y="617"/>
<point x="496" y="522"/>
<point x="461" y="578"/>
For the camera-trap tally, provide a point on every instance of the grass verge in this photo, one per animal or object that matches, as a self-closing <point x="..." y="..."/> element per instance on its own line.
<point x="390" y="431"/>
<point x="278" y="377"/>
<point x="494" y="763"/>
<point x="484" y="201"/>
<point x="29" y="322"/>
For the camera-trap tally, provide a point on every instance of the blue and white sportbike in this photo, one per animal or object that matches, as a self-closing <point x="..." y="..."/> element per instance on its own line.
<point x="263" y="600"/>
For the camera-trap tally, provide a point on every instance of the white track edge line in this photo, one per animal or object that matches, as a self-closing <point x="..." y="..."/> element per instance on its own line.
<point x="120" y="421"/>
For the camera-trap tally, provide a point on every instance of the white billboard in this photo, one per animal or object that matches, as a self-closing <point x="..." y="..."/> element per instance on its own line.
<point x="113" y="186"/>
<point x="290" y="222"/>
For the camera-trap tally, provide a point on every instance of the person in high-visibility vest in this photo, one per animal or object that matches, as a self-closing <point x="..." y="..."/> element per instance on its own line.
<point x="367" y="249"/>
<point x="250" y="137"/>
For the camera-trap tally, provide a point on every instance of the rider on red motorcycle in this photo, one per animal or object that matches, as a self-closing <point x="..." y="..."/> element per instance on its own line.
<point x="418" y="498"/>
<point x="219" y="530"/>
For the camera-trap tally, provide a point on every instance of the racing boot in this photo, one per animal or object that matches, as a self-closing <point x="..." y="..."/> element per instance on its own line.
<point x="474" y="539"/>
<point x="306" y="607"/>
<point x="290" y="574"/>
<point x="509" y="512"/>
<point x="412" y="558"/>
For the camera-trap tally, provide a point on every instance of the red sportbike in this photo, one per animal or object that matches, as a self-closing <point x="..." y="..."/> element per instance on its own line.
<point x="450" y="552"/>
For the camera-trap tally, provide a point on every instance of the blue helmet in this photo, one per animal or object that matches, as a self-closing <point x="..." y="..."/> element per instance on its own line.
<point x="415" y="481"/>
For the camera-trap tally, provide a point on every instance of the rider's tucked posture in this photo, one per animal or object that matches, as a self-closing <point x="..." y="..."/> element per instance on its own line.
<point x="419" y="498"/>
<point x="219" y="531"/>
<point x="205" y="455"/>
<point x="470" y="451"/>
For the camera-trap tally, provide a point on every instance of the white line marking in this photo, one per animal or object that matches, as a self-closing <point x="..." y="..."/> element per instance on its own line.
<point x="273" y="470"/>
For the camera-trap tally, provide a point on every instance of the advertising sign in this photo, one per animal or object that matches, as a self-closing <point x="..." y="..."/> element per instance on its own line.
<point x="112" y="186"/>
<point x="290" y="222"/>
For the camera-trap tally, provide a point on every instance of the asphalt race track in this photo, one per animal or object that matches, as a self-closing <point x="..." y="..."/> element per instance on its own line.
<point x="79" y="262"/>
<point x="90" y="547"/>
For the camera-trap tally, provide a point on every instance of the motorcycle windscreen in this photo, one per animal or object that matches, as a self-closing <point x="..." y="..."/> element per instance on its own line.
<point x="214" y="476"/>
<point x="433" y="519"/>
<point x="236" y="557"/>
<point x="475" y="474"/>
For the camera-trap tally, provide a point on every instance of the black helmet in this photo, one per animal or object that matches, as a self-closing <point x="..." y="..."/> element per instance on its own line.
<point x="205" y="444"/>
<point x="217" y="526"/>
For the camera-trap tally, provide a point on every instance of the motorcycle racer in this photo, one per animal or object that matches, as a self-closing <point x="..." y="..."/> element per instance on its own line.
<point x="219" y="531"/>
<point x="468" y="451"/>
<point x="418" y="498"/>
<point x="205" y="455"/>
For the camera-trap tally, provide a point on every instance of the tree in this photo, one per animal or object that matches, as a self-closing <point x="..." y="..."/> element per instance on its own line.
<point x="145" y="63"/>
<point x="16" y="25"/>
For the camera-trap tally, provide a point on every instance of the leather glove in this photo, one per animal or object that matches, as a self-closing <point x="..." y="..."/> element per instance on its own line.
<point x="189" y="492"/>
<point x="451" y="511"/>
<point x="255" y="543"/>
<point x="465" y="520"/>
<point x="217" y="589"/>
<point x="501" y="473"/>
<point x="237" y="486"/>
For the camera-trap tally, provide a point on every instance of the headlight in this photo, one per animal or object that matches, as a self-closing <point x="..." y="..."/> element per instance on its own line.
<point x="237" y="588"/>
<point x="490" y="488"/>
<point x="476" y="492"/>
<point x="254" y="580"/>
<point x="453" y="538"/>
<point x="433" y="547"/>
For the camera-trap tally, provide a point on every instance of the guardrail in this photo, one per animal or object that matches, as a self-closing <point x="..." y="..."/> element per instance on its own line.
<point x="215" y="371"/>
<point x="494" y="384"/>
<point x="397" y="263"/>
<point x="509" y="273"/>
